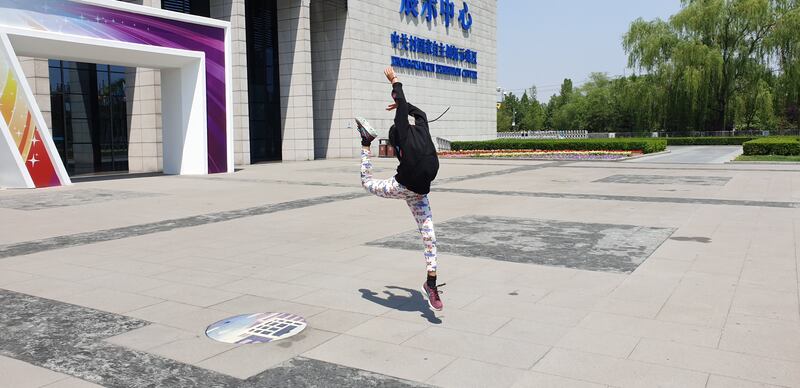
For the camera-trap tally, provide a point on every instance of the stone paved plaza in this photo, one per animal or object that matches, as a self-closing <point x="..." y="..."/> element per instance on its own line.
<point x="559" y="274"/>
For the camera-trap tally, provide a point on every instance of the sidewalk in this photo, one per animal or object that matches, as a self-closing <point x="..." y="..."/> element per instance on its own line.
<point x="559" y="274"/>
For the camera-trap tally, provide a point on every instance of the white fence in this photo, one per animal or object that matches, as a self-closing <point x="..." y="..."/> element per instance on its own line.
<point x="544" y="135"/>
<point x="442" y="144"/>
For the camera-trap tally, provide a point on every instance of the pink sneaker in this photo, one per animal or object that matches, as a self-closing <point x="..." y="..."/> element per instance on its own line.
<point x="432" y="296"/>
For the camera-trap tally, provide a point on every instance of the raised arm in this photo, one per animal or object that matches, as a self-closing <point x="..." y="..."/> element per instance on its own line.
<point x="404" y="108"/>
<point x="400" y="103"/>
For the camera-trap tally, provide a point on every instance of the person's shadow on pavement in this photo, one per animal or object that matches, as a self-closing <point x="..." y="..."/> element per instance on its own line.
<point x="412" y="302"/>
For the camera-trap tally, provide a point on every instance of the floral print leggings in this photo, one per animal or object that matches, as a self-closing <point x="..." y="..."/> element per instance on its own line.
<point x="419" y="204"/>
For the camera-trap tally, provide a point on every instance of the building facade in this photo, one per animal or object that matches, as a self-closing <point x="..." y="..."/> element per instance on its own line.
<point x="302" y="69"/>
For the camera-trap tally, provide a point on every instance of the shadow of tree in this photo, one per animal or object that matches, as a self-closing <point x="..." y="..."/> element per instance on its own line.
<point x="413" y="302"/>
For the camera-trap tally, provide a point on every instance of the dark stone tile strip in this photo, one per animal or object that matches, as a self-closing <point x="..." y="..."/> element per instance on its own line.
<point x="488" y="174"/>
<point x="278" y="181"/>
<point x="627" y="198"/>
<point x="302" y="372"/>
<point x="65" y="198"/>
<point x="356" y="183"/>
<point x="69" y="339"/>
<point x="355" y="172"/>
<point x="60" y="242"/>
<point x="587" y="246"/>
<point x="666" y="180"/>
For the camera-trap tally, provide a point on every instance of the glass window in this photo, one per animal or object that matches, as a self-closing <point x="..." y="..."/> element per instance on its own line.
<point x="79" y="131"/>
<point x="77" y="81"/>
<point x="262" y="79"/>
<point x="194" y="7"/>
<point x="90" y="123"/>
<point x="55" y="79"/>
<point x="117" y="84"/>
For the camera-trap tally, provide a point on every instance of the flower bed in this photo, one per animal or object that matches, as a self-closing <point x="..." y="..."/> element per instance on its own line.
<point x="646" y="146"/>
<point x="540" y="154"/>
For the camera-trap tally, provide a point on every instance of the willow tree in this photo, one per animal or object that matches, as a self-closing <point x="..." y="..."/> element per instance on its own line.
<point x="712" y="52"/>
<point x="785" y="44"/>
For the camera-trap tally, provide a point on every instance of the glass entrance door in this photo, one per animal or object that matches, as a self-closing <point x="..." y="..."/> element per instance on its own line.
<point x="90" y="116"/>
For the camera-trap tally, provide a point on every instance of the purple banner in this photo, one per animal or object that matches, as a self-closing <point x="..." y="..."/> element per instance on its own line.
<point x="74" y="18"/>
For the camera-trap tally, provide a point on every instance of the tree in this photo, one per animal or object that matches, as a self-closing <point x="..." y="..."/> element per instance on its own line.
<point x="710" y="50"/>
<point x="533" y="114"/>
<point x="599" y="115"/>
<point x="509" y="113"/>
<point x="714" y="65"/>
<point x="553" y="119"/>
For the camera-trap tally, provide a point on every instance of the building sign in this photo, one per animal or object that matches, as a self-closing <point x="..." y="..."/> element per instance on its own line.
<point x="413" y="44"/>
<point x="406" y="43"/>
<point x="429" y="10"/>
<point x="453" y="55"/>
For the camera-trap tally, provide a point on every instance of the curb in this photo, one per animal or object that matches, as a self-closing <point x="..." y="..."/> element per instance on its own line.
<point x="763" y="162"/>
<point x="644" y="156"/>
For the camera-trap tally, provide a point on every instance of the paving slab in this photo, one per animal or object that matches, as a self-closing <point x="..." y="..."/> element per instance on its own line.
<point x="559" y="274"/>
<point x="470" y="373"/>
<point x="616" y="372"/>
<point x="720" y="362"/>
<point x="478" y="347"/>
<point x="381" y="357"/>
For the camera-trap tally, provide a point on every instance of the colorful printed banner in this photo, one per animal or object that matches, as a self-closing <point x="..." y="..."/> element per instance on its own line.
<point x="88" y="19"/>
<point x="17" y="114"/>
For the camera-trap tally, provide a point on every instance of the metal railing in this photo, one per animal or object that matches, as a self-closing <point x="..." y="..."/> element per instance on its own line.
<point x="443" y="144"/>
<point x="747" y="133"/>
<point x="582" y="134"/>
<point x="577" y="134"/>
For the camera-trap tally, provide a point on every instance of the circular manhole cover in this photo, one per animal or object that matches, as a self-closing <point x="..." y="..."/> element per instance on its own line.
<point x="256" y="328"/>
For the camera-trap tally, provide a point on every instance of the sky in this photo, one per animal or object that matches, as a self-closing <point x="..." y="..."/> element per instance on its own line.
<point x="541" y="42"/>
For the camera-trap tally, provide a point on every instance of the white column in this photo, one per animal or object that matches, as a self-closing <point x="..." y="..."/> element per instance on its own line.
<point x="185" y="135"/>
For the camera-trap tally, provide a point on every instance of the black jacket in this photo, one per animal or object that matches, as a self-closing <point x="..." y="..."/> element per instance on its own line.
<point x="413" y="145"/>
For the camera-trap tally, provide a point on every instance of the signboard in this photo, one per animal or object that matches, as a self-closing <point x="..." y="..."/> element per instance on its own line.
<point x="457" y="60"/>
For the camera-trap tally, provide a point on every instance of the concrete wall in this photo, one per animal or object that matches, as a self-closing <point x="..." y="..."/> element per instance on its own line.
<point x="38" y="74"/>
<point x="331" y="60"/>
<point x="294" y="55"/>
<point x="145" y="129"/>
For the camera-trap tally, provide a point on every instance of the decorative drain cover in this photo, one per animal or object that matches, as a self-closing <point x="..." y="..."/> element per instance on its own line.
<point x="256" y="328"/>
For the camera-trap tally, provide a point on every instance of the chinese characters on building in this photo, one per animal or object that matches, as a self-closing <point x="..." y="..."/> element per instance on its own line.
<point x="433" y="48"/>
<point x="413" y="44"/>
<point x="429" y="10"/>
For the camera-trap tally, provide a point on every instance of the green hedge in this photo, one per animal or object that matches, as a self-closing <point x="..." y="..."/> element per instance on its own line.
<point x="773" y="146"/>
<point x="646" y="146"/>
<point x="688" y="141"/>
